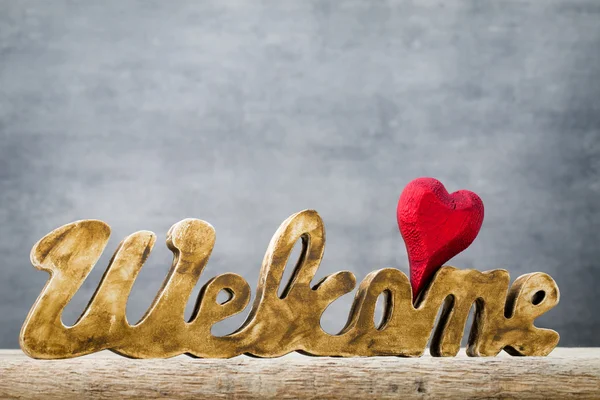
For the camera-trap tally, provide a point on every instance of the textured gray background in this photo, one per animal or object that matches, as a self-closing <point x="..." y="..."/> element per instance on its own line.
<point x="242" y="113"/>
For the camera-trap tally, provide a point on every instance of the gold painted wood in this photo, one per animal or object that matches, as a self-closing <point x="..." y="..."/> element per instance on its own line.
<point x="276" y="325"/>
<point x="565" y="373"/>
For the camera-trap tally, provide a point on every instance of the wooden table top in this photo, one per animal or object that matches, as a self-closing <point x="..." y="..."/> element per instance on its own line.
<point x="566" y="372"/>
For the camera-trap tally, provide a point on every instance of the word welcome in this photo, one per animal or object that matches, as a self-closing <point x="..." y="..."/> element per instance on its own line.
<point x="277" y="324"/>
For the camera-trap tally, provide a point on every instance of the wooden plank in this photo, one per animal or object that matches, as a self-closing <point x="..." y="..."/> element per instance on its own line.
<point x="566" y="372"/>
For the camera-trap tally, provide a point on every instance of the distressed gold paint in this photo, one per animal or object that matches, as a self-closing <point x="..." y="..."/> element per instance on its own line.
<point x="276" y="324"/>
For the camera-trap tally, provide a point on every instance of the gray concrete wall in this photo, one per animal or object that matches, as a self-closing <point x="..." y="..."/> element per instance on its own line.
<point x="244" y="112"/>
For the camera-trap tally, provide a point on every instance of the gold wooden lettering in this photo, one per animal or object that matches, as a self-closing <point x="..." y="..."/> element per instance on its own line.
<point x="276" y="324"/>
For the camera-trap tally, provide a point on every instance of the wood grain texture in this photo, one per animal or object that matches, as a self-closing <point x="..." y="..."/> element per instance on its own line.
<point x="566" y="372"/>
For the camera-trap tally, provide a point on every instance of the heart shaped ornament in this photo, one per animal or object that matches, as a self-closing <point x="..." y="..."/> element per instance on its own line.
<point x="435" y="226"/>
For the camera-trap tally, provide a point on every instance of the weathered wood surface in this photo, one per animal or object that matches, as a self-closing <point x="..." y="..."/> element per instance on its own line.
<point x="566" y="372"/>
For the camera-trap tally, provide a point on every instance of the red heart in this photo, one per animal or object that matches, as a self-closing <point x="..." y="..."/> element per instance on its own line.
<point x="435" y="226"/>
